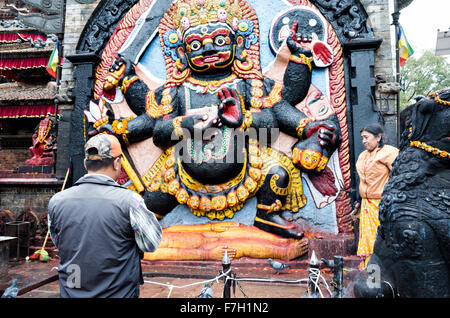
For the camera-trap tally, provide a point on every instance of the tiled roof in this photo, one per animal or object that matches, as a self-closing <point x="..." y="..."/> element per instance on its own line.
<point x="15" y="92"/>
<point x="24" y="48"/>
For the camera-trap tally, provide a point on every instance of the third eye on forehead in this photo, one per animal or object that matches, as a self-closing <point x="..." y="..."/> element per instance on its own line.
<point x="202" y="32"/>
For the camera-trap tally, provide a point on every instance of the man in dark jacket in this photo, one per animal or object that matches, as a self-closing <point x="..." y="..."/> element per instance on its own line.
<point x="99" y="227"/>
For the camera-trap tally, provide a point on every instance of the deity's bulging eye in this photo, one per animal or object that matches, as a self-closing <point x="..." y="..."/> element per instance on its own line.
<point x="221" y="40"/>
<point x="195" y="45"/>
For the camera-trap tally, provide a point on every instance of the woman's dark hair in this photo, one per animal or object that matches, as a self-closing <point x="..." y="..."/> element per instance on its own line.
<point x="376" y="130"/>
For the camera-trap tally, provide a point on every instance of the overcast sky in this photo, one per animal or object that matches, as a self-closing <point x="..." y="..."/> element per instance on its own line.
<point x="421" y="20"/>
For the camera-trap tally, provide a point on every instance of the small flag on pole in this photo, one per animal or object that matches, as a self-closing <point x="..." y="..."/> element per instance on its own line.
<point x="53" y="61"/>
<point x="405" y="50"/>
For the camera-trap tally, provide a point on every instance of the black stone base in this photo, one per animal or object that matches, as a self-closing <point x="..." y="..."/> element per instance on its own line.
<point x="38" y="169"/>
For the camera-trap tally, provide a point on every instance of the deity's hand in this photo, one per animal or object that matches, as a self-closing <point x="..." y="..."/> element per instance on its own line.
<point x="299" y="43"/>
<point x="120" y="69"/>
<point x="190" y="123"/>
<point x="325" y="133"/>
<point x="322" y="53"/>
<point x="106" y="128"/>
<point x="230" y="108"/>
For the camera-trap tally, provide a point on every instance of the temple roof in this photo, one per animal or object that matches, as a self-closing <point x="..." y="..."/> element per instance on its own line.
<point x="25" y="48"/>
<point x="10" y="92"/>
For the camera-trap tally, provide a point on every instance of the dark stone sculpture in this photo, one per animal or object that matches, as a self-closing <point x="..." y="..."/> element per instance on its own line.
<point x="212" y="71"/>
<point x="412" y="251"/>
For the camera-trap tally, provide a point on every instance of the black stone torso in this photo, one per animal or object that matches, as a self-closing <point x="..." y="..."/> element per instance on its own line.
<point x="217" y="169"/>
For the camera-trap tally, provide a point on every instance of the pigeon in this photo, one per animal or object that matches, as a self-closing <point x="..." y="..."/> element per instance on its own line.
<point x="206" y="292"/>
<point x="11" y="291"/>
<point x="278" y="266"/>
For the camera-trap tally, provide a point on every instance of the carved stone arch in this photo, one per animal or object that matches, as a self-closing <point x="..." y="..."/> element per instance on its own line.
<point x="101" y="25"/>
<point x="348" y="18"/>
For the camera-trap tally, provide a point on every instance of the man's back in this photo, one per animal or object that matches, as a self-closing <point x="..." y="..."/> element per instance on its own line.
<point x="90" y="224"/>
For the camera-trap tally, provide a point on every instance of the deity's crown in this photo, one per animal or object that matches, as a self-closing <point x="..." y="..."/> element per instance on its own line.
<point x="191" y="13"/>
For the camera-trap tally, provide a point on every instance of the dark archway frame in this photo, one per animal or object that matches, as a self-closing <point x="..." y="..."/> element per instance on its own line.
<point x="348" y="18"/>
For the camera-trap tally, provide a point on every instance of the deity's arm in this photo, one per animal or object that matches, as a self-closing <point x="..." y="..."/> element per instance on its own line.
<point x="269" y="109"/>
<point x="289" y="119"/>
<point x="165" y="107"/>
<point x="165" y="135"/>
<point x="135" y="92"/>
<point x="145" y="103"/>
<point x="317" y="139"/>
<point x="257" y="103"/>
<point x="297" y="79"/>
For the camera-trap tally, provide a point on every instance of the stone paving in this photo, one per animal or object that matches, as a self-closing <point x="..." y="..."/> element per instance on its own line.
<point x="186" y="279"/>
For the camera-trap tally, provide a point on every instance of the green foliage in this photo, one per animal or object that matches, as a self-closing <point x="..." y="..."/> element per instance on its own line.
<point x="422" y="76"/>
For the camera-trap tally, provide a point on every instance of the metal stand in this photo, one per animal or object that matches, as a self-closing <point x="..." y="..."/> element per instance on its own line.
<point x="226" y="265"/>
<point x="337" y="266"/>
<point x="314" y="275"/>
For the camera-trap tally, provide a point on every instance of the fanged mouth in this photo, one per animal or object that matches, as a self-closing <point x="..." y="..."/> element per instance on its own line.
<point x="210" y="59"/>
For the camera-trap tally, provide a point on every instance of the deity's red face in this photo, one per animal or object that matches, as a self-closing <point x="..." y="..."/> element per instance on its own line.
<point x="209" y="47"/>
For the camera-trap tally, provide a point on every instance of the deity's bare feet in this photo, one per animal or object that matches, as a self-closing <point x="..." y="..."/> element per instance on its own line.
<point x="274" y="223"/>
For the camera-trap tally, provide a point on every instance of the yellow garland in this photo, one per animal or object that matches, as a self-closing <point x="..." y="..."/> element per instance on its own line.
<point x="101" y="122"/>
<point x="41" y="137"/>
<point x="435" y="96"/>
<point x="119" y="126"/>
<point x="435" y="151"/>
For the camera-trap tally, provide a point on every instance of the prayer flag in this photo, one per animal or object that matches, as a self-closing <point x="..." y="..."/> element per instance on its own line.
<point x="53" y="61"/>
<point x="405" y="50"/>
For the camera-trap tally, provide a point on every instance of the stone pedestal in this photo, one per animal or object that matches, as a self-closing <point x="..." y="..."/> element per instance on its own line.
<point x="5" y="279"/>
<point x="336" y="245"/>
<point x="19" y="248"/>
<point x="35" y="169"/>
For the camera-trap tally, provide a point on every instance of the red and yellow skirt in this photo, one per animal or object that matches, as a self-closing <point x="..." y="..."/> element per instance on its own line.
<point x="368" y="225"/>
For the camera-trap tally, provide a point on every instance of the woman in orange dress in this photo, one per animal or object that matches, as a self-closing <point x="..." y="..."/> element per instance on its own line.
<point x="373" y="166"/>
